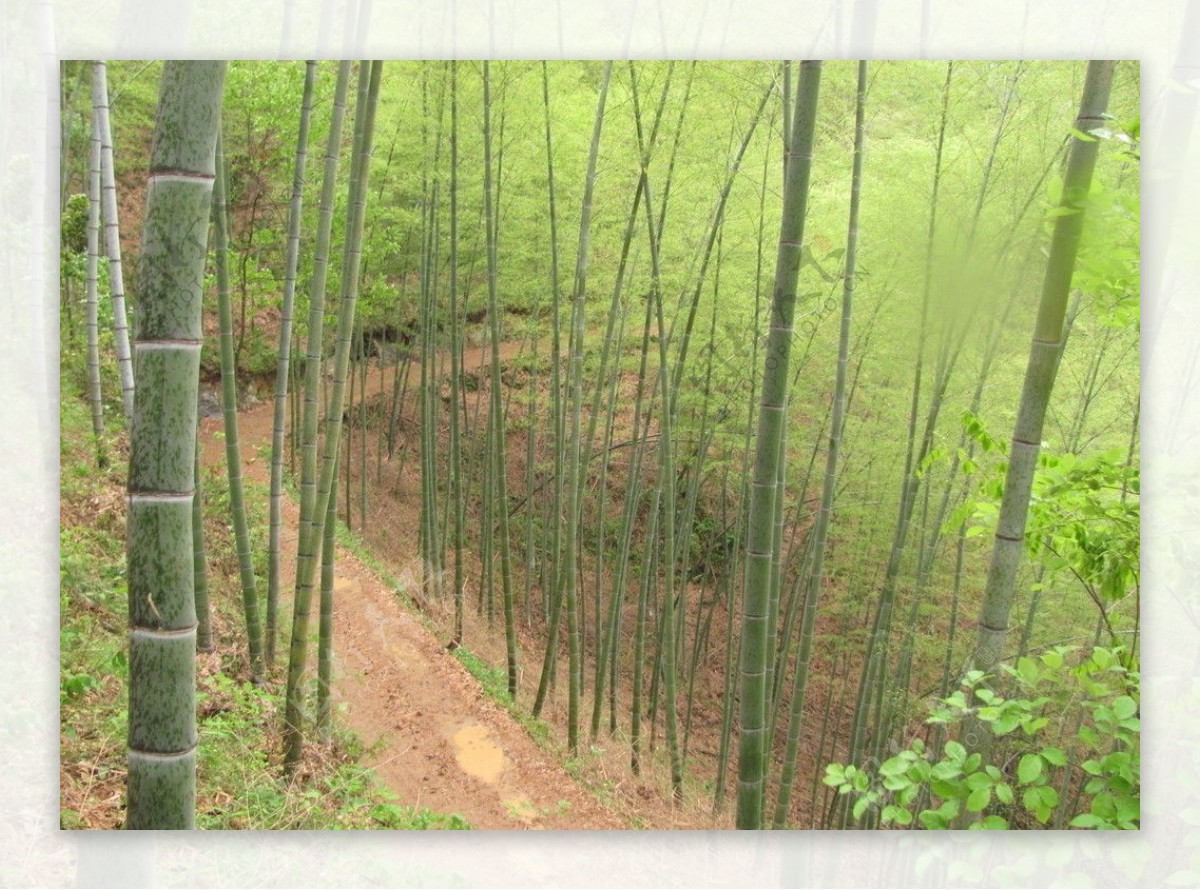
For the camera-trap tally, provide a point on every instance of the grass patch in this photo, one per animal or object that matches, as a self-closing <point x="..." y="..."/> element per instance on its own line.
<point x="238" y="778"/>
<point x="494" y="681"/>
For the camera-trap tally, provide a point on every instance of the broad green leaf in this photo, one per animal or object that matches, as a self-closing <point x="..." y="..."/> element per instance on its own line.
<point x="956" y="699"/>
<point x="945" y="770"/>
<point x="1116" y="762"/>
<point x="1129" y="808"/>
<point x="944" y="790"/>
<point x="1028" y="671"/>
<point x="835" y="775"/>
<point x="975" y="781"/>
<point x="1124" y="707"/>
<point x="979" y="799"/>
<point x="1102" y="658"/>
<point x="933" y="821"/>
<point x="1029" y="769"/>
<point x="1005" y="725"/>
<point x="1054" y="756"/>
<point x="1035" y="725"/>
<point x="949" y="809"/>
<point x="896" y="783"/>
<point x="1032" y="800"/>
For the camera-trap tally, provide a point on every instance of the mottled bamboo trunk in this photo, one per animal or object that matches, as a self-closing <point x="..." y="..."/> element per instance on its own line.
<point x="1035" y="395"/>
<point x="752" y="753"/>
<point x="162" y="617"/>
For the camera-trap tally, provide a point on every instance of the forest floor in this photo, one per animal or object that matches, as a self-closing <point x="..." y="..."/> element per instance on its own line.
<point x="432" y="734"/>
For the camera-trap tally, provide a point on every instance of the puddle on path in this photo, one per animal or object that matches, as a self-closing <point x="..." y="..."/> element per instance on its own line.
<point x="478" y="756"/>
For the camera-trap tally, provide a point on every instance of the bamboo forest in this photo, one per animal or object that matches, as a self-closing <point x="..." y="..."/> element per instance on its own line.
<point x="611" y="445"/>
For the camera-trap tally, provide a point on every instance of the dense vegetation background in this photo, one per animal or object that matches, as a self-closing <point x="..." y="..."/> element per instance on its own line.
<point x="960" y="188"/>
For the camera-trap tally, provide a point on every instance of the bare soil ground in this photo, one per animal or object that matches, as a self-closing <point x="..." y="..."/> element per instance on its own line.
<point x="434" y="736"/>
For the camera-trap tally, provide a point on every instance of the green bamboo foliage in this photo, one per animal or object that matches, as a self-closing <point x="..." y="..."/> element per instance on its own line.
<point x="67" y="107"/>
<point x="91" y="300"/>
<point x="557" y="407"/>
<point x="732" y="657"/>
<point x="233" y="452"/>
<point x="312" y="385"/>
<point x="283" y="374"/>
<point x="873" y="682"/>
<point x="667" y="470"/>
<point x="668" y="178"/>
<point x="649" y="568"/>
<point x="368" y="94"/>
<point x="752" y="752"/>
<point x="428" y="459"/>
<point x="162" y="692"/>
<point x="325" y="624"/>
<point x="821" y="531"/>
<point x="456" y="480"/>
<point x="316" y="308"/>
<point x="362" y="422"/>
<point x="611" y="345"/>
<point x="499" y="477"/>
<point x="567" y="579"/>
<point x="348" y="429"/>
<point x="431" y="539"/>
<point x="112" y="234"/>
<point x="698" y="573"/>
<point x="714" y="229"/>
<point x="1039" y="381"/>
<point x="576" y="472"/>
<point x="633" y="499"/>
<point x="204" y="636"/>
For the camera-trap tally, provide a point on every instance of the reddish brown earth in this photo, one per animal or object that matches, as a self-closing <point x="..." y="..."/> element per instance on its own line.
<point x="434" y="737"/>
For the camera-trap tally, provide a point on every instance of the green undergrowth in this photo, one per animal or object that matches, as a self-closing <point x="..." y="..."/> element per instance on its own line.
<point x="239" y="779"/>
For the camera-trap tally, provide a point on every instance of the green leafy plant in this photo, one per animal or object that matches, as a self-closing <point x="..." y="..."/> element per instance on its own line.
<point x="1035" y="773"/>
<point x="1083" y="524"/>
<point x="398" y="817"/>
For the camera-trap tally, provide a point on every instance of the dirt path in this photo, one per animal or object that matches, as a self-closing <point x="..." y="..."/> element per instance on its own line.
<point x="435" y="738"/>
